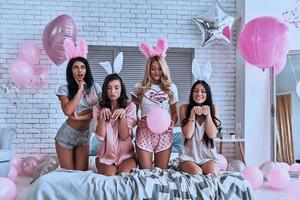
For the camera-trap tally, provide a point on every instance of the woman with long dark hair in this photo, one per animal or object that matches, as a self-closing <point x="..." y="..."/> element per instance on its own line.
<point x="117" y="117"/>
<point x="199" y="125"/>
<point x="77" y="99"/>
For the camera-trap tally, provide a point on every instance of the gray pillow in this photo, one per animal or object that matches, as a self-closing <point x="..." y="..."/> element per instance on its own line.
<point x="177" y="142"/>
<point x="94" y="145"/>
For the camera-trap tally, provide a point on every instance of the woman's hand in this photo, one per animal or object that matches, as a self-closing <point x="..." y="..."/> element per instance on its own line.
<point x="142" y="123"/>
<point x="170" y="129"/>
<point x="197" y="110"/>
<point x="119" y="113"/>
<point x="105" y="113"/>
<point x="205" y="110"/>
<point x="81" y="84"/>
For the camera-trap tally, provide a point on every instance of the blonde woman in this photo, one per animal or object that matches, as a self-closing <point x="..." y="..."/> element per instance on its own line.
<point x="155" y="91"/>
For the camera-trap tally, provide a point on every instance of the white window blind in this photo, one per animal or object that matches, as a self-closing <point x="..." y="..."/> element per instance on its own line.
<point x="179" y="61"/>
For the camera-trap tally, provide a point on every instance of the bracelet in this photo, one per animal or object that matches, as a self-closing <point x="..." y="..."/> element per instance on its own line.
<point x="192" y="120"/>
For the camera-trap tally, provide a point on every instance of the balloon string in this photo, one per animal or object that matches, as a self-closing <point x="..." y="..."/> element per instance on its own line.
<point x="292" y="66"/>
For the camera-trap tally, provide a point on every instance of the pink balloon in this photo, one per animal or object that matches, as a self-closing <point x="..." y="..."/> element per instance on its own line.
<point x="254" y="176"/>
<point x="263" y="41"/>
<point x="16" y="162"/>
<point x="293" y="190"/>
<point x="158" y="120"/>
<point x="21" y="73"/>
<point x="278" y="178"/>
<point x="28" y="165"/>
<point x="29" y="52"/>
<point x="298" y="88"/>
<point x="13" y="173"/>
<point x="222" y="162"/>
<point x="295" y="167"/>
<point x="40" y="78"/>
<point x="279" y="65"/>
<point x="55" y="33"/>
<point x="8" y="189"/>
<point x="283" y="165"/>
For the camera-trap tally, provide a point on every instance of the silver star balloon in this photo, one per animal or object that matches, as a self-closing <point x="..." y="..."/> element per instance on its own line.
<point x="216" y="24"/>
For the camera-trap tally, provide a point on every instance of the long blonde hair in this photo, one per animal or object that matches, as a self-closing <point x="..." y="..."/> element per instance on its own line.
<point x="165" y="80"/>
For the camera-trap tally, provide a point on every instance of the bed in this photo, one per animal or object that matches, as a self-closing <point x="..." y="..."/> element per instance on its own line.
<point x="140" y="184"/>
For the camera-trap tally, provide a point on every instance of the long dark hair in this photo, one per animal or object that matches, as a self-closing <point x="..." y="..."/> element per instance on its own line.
<point x="209" y="102"/>
<point x="104" y="100"/>
<point x="72" y="84"/>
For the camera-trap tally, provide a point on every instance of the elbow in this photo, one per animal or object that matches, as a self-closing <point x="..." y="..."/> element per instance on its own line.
<point x="212" y="135"/>
<point x="68" y="113"/>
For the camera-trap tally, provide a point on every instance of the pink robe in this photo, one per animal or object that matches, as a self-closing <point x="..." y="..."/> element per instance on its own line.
<point x="114" y="150"/>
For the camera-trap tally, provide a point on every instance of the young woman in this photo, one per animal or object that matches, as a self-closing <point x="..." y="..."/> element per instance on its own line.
<point x="117" y="117"/>
<point x="77" y="99"/>
<point x="199" y="125"/>
<point x="155" y="91"/>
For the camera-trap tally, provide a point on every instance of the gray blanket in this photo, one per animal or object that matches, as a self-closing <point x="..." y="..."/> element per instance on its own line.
<point x="141" y="184"/>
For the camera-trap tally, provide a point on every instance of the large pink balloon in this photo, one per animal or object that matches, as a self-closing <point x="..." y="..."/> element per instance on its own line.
<point x="278" y="178"/>
<point x="21" y="73"/>
<point x="263" y="41"/>
<point x="55" y="33"/>
<point x="254" y="176"/>
<point x="279" y="65"/>
<point x="8" y="189"/>
<point x="29" y="52"/>
<point x="158" y="120"/>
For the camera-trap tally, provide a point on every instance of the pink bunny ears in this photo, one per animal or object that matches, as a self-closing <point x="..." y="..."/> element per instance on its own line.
<point x="80" y="50"/>
<point x="160" y="50"/>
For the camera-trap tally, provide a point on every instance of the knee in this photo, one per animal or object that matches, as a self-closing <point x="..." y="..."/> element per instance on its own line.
<point x="212" y="170"/>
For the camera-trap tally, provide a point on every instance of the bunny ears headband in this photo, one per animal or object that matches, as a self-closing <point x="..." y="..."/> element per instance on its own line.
<point x="118" y="64"/>
<point x="80" y="50"/>
<point x="160" y="50"/>
<point x="199" y="73"/>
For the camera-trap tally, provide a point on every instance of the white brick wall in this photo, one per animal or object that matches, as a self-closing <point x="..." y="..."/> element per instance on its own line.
<point x="37" y="117"/>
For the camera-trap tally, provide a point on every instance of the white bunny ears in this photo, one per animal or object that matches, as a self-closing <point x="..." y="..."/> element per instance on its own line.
<point x="201" y="74"/>
<point x="118" y="65"/>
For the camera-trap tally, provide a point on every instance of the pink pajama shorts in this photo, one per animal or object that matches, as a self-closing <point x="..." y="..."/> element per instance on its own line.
<point x="153" y="142"/>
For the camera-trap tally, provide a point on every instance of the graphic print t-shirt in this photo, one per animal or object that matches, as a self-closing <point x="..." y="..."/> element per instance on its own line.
<point x="154" y="97"/>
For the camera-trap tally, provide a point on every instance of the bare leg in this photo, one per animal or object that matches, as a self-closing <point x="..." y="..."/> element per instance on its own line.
<point x="210" y="167"/>
<point x="144" y="158"/>
<point x="107" y="170"/>
<point x="127" y="165"/>
<point x="190" y="167"/>
<point x="82" y="157"/>
<point x="65" y="156"/>
<point x="161" y="159"/>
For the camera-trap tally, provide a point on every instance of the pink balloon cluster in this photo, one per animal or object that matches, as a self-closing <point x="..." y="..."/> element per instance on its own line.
<point x="23" y="73"/>
<point x="263" y="43"/>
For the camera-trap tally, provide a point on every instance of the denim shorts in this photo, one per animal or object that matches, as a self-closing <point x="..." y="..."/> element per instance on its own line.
<point x="70" y="138"/>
